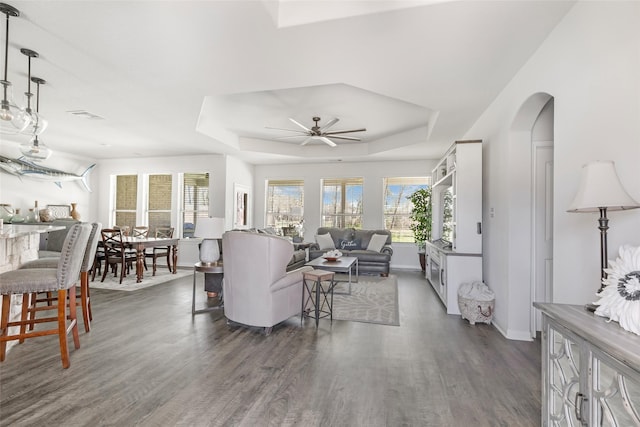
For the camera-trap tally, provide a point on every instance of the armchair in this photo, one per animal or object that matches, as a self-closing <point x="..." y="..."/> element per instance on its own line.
<point x="258" y="291"/>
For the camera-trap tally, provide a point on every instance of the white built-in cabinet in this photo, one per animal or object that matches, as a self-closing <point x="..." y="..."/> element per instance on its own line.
<point x="457" y="257"/>
<point x="590" y="369"/>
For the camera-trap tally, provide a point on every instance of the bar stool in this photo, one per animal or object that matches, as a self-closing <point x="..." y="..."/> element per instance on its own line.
<point x="87" y="265"/>
<point x="322" y="307"/>
<point x="35" y="280"/>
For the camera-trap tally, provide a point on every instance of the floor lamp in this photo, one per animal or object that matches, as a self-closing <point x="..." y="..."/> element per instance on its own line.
<point x="601" y="191"/>
<point x="210" y="229"/>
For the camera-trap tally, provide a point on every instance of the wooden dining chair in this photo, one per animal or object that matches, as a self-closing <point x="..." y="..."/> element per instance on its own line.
<point x="161" y="251"/>
<point x="61" y="280"/>
<point x="115" y="253"/>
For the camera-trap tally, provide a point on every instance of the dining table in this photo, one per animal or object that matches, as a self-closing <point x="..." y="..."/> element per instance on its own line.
<point x="140" y="244"/>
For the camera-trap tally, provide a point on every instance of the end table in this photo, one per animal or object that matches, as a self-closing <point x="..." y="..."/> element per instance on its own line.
<point x="214" y="268"/>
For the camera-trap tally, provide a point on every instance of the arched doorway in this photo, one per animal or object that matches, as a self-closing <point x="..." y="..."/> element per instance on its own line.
<point x="531" y="211"/>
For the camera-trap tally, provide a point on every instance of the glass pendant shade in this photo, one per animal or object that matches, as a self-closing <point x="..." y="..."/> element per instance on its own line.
<point x="38" y="124"/>
<point x="35" y="149"/>
<point x="13" y="119"/>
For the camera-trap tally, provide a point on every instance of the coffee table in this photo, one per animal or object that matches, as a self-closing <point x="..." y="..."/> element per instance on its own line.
<point x="345" y="264"/>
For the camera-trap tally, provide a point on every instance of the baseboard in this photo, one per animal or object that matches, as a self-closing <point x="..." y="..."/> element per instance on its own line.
<point x="513" y="335"/>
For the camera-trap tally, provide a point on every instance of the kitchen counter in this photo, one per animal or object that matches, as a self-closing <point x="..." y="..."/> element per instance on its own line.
<point x="10" y="231"/>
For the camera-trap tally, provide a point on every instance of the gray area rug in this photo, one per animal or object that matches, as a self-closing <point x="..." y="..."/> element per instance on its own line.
<point x="129" y="282"/>
<point x="372" y="300"/>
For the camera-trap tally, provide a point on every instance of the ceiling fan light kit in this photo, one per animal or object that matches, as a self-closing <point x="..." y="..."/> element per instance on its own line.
<point x="320" y="133"/>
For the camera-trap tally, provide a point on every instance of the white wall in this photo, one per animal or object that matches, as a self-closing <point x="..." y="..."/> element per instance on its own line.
<point x="404" y="255"/>
<point x="22" y="193"/>
<point x="239" y="174"/>
<point x="590" y="64"/>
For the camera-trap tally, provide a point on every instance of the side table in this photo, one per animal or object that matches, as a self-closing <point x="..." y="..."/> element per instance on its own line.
<point x="309" y="280"/>
<point x="215" y="268"/>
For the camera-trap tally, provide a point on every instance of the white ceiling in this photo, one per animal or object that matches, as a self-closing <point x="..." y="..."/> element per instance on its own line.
<point x="197" y="77"/>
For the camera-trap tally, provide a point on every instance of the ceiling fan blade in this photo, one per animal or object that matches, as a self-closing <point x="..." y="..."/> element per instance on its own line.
<point x="345" y="131"/>
<point x="299" y="124"/>
<point x="288" y="130"/>
<point x="306" y="141"/>
<point x="327" y="141"/>
<point x="329" y="124"/>
<point x="302" y="135"/>
<point x="350" y="138"/>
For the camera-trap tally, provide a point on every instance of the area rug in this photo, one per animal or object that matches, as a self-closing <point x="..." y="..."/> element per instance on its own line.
<point x="129" y="282"/>
<point x="372" y="300"/>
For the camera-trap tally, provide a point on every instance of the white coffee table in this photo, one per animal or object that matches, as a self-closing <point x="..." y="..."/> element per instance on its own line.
<point x="345" y="264"/>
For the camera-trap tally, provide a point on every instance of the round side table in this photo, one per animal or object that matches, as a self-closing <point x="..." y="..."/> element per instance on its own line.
<point x="214" y="268"/>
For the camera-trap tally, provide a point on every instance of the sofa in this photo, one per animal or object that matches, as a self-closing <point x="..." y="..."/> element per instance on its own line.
<point x="356" y="243"/>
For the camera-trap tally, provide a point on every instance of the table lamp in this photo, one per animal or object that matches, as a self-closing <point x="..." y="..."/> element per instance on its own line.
<point x="210" y="229"/>
<point x="600" y="190"/>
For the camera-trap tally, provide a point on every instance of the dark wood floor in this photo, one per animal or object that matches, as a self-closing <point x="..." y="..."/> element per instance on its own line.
<point x="147" y="362"/>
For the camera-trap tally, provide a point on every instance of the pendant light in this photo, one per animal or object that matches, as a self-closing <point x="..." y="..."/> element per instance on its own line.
<point x="13" y="119"/>
<point x="37" y="123"/>
<point x="35" y="149"/>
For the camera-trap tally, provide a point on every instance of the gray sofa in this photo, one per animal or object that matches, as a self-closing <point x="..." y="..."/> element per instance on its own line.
<point x="354" y="242"/>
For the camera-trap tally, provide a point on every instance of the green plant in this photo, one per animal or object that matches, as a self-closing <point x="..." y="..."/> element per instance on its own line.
<point x="421" y="216"/>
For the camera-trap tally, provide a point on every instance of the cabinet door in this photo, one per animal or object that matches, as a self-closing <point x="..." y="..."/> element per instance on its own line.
<point x="562" y="360"/>
<point x="614" y="392"/>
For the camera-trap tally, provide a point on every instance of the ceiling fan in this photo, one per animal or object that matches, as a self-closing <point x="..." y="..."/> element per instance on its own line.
<point x="319" y="132"/>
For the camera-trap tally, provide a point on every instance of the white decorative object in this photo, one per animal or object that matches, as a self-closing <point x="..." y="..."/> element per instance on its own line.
<point x="210" y="229"/>
<point x="620" y="297"/>
<point x="476" y="302"/>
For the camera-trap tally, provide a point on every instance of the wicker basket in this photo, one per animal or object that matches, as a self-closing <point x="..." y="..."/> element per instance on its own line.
<point x="476" y="311"/>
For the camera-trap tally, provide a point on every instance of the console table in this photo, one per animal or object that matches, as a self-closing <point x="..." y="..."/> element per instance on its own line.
<point x="590" y="369"/>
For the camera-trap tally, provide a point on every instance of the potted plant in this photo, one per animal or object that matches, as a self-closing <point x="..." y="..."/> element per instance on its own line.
<point x="421" y="220"/>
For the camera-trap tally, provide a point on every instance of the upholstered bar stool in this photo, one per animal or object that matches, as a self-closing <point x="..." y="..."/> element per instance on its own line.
<point x="34" y="280"/>
<point x="312" y="283"/>
<point x="87" y="265"/>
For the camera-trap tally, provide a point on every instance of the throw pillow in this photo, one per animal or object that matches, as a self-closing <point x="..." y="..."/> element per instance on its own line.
<point x="377" y="242"/>
<point x="325" y="241"/>
<point x="349" y="245"/>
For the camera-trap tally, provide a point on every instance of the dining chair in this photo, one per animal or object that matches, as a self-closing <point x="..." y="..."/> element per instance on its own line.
<point x="83" y="298"/>
<point x="115" y="253"/>
<point x="36" y="280"/>
<point x="140" y="231"/>
<point x="161" y="251"/>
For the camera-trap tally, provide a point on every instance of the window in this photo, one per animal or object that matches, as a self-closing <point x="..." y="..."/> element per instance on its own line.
<point x="126" y="201"/>
<point x="159" y="206"/>
<point x="285" y="203"/>
<point x="195" y="201"/>
<point x="342" y="202"/>
<point x="397" y="207"/>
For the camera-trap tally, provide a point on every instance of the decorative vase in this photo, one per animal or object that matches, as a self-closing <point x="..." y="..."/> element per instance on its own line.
<point x="46" y="215"/>
<point x="17" y="217"/>
<point x="6" y="213"/>
<point x="31" y="216"/>
<point x="74" y="213"/>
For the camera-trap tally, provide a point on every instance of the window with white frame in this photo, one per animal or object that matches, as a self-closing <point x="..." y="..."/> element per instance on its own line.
<point x="126" y="201"/>
<point x="285" y="204"/>
<point x="342" y="202"/>
<point x="397" y="207"/>
<point x="195" y="201"/>
<point x="159" y="202"/>
<point x="158" y="194"/>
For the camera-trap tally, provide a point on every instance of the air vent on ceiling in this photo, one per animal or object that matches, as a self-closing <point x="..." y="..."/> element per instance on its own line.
<point x="85" y="114"/>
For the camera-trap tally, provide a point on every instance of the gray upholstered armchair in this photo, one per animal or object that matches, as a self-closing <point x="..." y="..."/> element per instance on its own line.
<point x="258" y="291"/>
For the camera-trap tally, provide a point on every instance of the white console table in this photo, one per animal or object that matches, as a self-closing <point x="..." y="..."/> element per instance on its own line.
<point x="590" y="369"/>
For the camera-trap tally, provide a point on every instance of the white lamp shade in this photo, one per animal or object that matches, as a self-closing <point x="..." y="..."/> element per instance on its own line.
<point x="209" y="228"/>
<point x="600" y="187"/>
